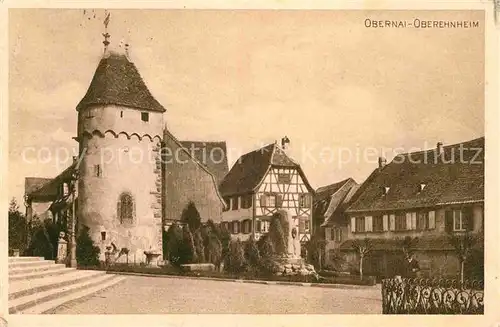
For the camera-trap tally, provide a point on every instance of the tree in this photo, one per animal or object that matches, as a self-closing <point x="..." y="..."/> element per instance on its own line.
<point x="199" y="246"/>
<point x="315" y="249"/>
<point x="187" y="248"/>
<point x="463" y="244"/>
<point x="235" y="260"/>
<point x="18" y="227"/>
<point x="363" y="248"/>
<point x="191" y="216"/>
<point x="87" y="253"/>
<point x="214" y="250"/>
<point x="252" y="255"/>
<point x="172" y="243"/>
<point x="266" y="253"/>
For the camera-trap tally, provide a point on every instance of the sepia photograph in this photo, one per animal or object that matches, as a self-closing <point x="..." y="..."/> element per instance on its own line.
<point x="251" y="161"/>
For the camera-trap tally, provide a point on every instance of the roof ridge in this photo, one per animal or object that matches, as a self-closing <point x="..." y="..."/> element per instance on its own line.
<point x="449" y="146"/>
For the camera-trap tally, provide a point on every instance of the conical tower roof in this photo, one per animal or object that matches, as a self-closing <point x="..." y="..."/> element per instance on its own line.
<point x="117" y="81"/>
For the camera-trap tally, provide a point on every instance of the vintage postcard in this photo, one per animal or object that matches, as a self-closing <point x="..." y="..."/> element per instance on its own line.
<point x="169" y="161"/>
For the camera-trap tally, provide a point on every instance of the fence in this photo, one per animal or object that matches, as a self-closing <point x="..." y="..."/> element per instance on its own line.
<point x="432" y="296"/>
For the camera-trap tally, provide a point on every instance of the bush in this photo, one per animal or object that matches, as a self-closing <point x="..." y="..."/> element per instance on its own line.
<point x="187" y="253"/>
<point x="235" y="259"/>
<point x="87" y="253"/>
<point x="191" y="216"/>
<point x="172" y="241"/>
<point x="18" y="228"/>
<point x="214" y="250"/>
<point x="277" y="236"/>
<point x="252" y="255"/>
<point x="199" y="247"/>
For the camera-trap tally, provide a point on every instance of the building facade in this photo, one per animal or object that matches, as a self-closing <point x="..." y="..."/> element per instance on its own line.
<point x="126" y="193"/>
<point x="260" y="184"/>
<point x="427" y="196"/>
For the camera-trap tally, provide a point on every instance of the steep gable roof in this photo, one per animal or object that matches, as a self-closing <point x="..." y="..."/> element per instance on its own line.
<point x="456" y="178"/>
<point x="331" y="198"/>
<point x="249" y="170"/>
<point x="211" y="154"/>
<point x="31" y="184"/>
<point x="117" y="81"/>
<point x="47" y="191"/>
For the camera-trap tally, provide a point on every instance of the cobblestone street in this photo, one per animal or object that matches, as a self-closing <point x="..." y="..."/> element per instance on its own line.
<point x="154" y="295"/>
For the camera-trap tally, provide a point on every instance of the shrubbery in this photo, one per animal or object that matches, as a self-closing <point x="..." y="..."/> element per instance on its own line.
<point x="87" y="253"/>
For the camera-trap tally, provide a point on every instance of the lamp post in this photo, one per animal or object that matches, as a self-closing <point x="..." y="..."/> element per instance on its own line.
<point x="29" y="218"/>
<point x="72" y="227"/>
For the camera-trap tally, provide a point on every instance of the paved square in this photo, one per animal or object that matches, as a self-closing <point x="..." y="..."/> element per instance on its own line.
<point x="157" y="295"/>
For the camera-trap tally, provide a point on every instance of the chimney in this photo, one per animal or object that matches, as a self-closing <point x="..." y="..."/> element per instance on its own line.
<point x="284" y="142"/>
<point x="75" y="159"/>
<point x="439" y="148"/>
<point x="382" y="162"/>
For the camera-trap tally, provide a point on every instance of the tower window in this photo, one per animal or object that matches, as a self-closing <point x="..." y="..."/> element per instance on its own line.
<point x="121" y="114"/>
<point x="125" y="208"/>
<point x="97" y="171"/>
<point x="145" y="116"/>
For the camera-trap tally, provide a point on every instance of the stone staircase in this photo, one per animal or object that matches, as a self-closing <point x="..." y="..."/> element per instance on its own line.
<point x="37" y="286"/>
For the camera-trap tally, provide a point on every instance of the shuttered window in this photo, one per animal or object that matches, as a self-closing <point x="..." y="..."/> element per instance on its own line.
<point x="378" y="223"/>
<point x="401" y="222"/>
<point x="235" y="227"/>
<point x="234" y="203"/>
<point x="338" y="235"/>
<point x="392" y="222"/>
<point x="368" y="223"/>
<point x="360" y="224"/>
<point x="423" y="220"/>
<point x="246" y="201"/>
<point x="432" y="220"/>
<point x="304" y="201"/>
<point x="279" y="200"/>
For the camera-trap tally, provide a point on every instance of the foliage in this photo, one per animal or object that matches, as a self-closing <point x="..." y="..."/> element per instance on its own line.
<point x="172" y="240"/>
<point x="277" y="236"/>
<point x="187" y="249"/>
<point x="252" y="255"/>
<point x="18" y="228"/>
<point x="44" y="238"/>
<point x="191" y="216"/>
<point x="363" y="248"/>
<point x="235" y="260"/>
<point x="87" y="253"/>
<point x="214" y="250"/>
<point x="315" y="250"/>
<point x="408" y="245"/>
<point x="463" y="243"/>
<point x="199" y="246"/>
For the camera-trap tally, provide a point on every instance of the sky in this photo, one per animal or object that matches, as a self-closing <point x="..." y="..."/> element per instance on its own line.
<point x="343" y="93"/>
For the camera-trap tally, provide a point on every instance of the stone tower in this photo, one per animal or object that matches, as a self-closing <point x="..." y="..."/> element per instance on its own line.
<point x="120" y="128"/>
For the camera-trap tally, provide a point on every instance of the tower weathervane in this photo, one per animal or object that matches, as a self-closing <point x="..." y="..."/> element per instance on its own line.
<point x="106" y="34"/>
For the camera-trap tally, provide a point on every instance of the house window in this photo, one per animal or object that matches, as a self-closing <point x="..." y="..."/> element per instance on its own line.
<point x="121" y="114"/>
<point x="332" y="234"/>
<point x="97" y="171"/>
<point x="246" y="201"/>
<point x="103" y="236"/>
<point x="423" y="220"/>
<point x="378" y="223"/>
<point x="225" y="225"/>
<point x="235" y="227"/>
<point x="400" y="222"/>
<point x="284" y="178"/>
<point x="303" y="225"/>
<point x="89" y="113"/>
<point x="304" y="200"/>
<point x="360" y="224"/>
<point x="264" y="226"/>
<point x="234" y="203"/>
<point x="126" y="208"/>
<point x="458" y="221"/>
<point x="338" y="235"/>
<point x="247" y="226"/>
<point x="145" y="116"/>
<point x="271" y="201"/>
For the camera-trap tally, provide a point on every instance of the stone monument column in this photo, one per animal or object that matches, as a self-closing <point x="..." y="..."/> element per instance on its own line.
<point x="62" y="249"/>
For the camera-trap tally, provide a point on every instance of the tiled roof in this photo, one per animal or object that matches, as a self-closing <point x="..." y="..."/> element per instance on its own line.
<point x="117" y="81"/>
<point x="456" y="178"/>
<point x="249" y="170"/>
<point x="329" y="199"/>
<point x="211" y="154"/>
<point x="32" y="184"/>
<point x="49" y="190"/>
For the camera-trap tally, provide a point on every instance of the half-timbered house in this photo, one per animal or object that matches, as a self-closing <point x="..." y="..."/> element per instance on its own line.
<point x="259" y="184"/>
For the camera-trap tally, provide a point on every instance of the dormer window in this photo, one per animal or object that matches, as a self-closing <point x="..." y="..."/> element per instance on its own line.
<point x="89" y="113"/>
<point x="385" y="190"/>
<point x="422" y="186"/>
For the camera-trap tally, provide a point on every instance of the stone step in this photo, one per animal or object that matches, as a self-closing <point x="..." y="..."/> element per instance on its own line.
<point x="28" y="287"/>
<point x="24" y="264"/>
<point x="47" y="265"/>
<point x="25" y="259"/>
<point x="50" y="271"/>
<point x="42" y="302"/>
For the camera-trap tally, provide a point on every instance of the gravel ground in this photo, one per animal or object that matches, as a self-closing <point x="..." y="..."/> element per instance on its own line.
<point x="153" y="295"/>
